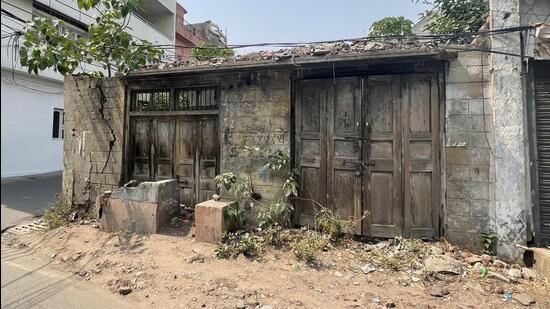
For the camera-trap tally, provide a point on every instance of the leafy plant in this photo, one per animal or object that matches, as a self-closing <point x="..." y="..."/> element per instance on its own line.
<point x="107" y="42"/>
<point x="275" y="215"/>
<point x="489" y="239"/>
<point x="278" y="213"/>
<point x="395" y="25"/>
<point x="457" y="17"/>
<point x="483" y="272"/>
<point x="223" y="251"/>
<point x="236" y="216"/>
<point x="59" y="212"/>
<point x="248" y="244"/>
<point x="233" y="244"/>
<point x="206" y="51"/>
<point x="329" y="222"/>
<point x="307" y="248"/>
<point x="226" y="180"/>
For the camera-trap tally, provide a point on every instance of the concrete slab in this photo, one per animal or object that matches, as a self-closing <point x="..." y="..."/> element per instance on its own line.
<point x="143" y="209"/>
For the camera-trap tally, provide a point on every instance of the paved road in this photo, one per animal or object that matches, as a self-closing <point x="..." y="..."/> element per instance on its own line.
<point x="26" y="197"/>
<point x="28" y="282"/>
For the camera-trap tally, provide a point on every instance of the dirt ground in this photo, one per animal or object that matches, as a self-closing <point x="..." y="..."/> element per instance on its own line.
<point x="171" y="270"/>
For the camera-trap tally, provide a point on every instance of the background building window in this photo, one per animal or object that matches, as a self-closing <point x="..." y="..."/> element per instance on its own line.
<point x="58" y="131"/>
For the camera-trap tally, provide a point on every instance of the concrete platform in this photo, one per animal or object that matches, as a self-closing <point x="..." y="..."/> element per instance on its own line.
<point x="210" y="220"/>
<point x="541" y="261"/>
<point x="143" y="209"/>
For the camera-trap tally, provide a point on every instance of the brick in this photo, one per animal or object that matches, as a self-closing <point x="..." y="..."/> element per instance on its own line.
<point x="457" y="107"/>
<point x="469" y="59"/>
<point x="479" y="140"/>
<point x="478" y="156"/>
<point x="468" y="190"/>
<point x="480" y="208"/>
<point x="458" y="172"/>
<point x="461" y="123"/>
<point x="210" y="221"/>
<point x="480" y="106"/>
<point x="112" y="179"/>
<point x="460" y="139"/>
<point x="458" y="208"/>
<point x="480" y="174"/>
<point x="459" y="91"/>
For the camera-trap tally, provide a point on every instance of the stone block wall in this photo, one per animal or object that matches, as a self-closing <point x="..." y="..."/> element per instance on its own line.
<point x="94" y="123"/>
<point x="469" y="144"/>
<point x="255" y="112"/>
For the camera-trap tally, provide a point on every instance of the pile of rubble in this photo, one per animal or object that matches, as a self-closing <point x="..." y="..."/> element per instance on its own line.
<point x="320" y="50"/>
<point x="429" y="262"/>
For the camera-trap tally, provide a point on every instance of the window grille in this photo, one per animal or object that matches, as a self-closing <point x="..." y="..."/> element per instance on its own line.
<point x="196" y="99"/>
<point x="152" y="101"/>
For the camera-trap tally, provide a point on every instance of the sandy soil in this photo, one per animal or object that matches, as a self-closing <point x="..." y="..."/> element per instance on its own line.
<point x="173" y="271"/>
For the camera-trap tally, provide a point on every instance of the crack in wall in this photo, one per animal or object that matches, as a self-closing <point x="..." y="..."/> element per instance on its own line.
<point x="102" y="101"/>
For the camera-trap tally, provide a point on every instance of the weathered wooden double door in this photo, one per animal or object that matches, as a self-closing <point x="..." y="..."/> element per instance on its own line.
<point x="184" y="148"/>
<point x="370" y="144"/>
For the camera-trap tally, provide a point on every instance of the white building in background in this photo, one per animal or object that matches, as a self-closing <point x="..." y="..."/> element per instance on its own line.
<point x="31" y="105"/>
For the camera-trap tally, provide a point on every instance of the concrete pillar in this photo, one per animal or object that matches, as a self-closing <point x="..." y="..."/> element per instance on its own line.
<point x="511" y="190"/>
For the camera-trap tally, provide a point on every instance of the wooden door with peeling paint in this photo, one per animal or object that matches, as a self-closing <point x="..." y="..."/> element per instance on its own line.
<point x="196" y="163"/>
<point x="152" y="144"/>
<point x="370" y="144"/>
<point x="328" y="147"/>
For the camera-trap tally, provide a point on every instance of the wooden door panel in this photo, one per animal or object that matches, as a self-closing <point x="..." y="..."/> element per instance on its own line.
<point x="310" y="156"/>
<point x="421" y="155"/>
<point x="383" y="181"/>
<point x="164" y="149"/>
<point x="142" y="149"/>
<point x="185" y="161"/>
<point x="208" y="158"/>
<point x="344" y="167"/>
<point x="382" y="204"/>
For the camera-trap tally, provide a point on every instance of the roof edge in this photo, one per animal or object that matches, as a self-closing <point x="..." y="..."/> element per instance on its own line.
<point x="437" y="53"/>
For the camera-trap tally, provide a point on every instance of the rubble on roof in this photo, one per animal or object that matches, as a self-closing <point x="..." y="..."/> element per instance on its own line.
<point x="318" y="50"/>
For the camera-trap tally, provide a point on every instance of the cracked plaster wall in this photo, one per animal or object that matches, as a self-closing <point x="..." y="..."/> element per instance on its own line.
<point x="94" y="123"/>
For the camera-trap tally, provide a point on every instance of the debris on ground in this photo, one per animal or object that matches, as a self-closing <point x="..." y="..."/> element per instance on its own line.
<point x="170" y="271"/>
<point x="524" y="299"/>
<point x="443" y="264"/>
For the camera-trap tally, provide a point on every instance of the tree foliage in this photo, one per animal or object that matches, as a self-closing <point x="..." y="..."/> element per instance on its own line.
<point x="395" y="25"/>
<point x="457" y="17"/>
<point x="206" y="51"/>
<point x="107" y="43"/>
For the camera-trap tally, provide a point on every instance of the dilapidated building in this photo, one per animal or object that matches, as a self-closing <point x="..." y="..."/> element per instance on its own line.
<point x="433" y="141"/>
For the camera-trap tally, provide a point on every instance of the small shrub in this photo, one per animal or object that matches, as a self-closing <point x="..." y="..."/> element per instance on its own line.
<point x="223" y="251"/>
<point x="59" y="212"/>
<point x="307" y="248"/>
<point x="277" y="214"/>
<point x="233" y="244"/>
<point x="489" y="239"/>
<point x="248" y="245"/>
<point x="329" y="223"/>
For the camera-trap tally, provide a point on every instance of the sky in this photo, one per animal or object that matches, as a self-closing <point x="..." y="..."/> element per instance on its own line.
<point x="249" y="21"/>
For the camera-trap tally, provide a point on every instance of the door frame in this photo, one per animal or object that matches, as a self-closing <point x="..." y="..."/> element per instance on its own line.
<point x="174" y="115"/>
<point x="439" y="74"/>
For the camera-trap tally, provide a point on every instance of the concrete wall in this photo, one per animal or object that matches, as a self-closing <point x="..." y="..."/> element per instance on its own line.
<point x="94" y="138"/>
<point x="27" y="122"/>
<point x="512" y="187"/>
<point x="469" y="144"/>
<point x="255" y="112"/>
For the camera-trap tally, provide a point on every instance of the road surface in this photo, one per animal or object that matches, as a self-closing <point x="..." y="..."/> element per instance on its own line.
<point x="29" y="282"/>
<point x="26" y="197"/>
